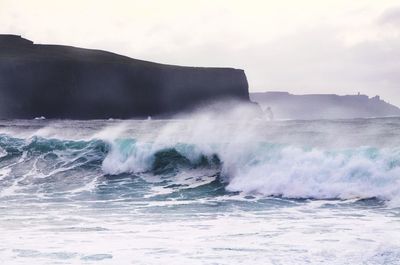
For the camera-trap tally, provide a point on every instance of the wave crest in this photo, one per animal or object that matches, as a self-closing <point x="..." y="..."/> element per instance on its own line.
<point x="271" y="170"/>
<point x="131" y="156"/>
<point x="257" y="168"/>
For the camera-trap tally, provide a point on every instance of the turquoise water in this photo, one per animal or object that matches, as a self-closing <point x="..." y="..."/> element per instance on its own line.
<point x="200" y="191"/>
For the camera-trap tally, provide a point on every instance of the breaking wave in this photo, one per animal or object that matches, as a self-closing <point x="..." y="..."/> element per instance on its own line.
<point x="272" y="169"/>
<point x="257" y="168"/>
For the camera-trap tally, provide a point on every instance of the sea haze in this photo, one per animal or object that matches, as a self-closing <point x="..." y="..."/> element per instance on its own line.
<point x="200" y="191"/>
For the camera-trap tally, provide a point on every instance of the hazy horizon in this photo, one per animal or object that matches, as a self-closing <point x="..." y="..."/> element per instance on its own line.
<point x="334" y="47"/>
<point x="108" y="160"/>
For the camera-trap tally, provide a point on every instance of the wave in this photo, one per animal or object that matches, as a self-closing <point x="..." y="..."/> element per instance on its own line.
<point x="271" y="169"/>
<point x="250" y="168"/>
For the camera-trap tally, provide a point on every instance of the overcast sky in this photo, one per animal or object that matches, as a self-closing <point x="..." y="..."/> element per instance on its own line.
<point x="329" y="46"/>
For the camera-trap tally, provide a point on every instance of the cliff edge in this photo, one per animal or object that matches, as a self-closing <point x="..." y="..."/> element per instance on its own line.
<point x="319" y="106"/>
<point x="66" y="82"/>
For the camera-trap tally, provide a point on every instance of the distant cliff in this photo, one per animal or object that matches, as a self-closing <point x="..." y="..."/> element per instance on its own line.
<point x="287" y="106"/>
<point x="73" y="83"/>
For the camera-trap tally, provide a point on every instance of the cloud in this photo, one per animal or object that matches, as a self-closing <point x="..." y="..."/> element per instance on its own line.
<point x="391" y="17"/>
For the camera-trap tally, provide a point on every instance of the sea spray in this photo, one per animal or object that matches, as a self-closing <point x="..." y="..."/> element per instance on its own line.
<point x="338" y="159"/>
<point x="241" y="190"/>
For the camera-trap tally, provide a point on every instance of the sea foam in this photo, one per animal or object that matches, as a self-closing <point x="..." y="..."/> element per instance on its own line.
<point x="252" y="164"/>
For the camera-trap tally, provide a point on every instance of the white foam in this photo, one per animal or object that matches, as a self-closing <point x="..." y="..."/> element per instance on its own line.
<point x="3" y="153"/>
<point x="253" y="166"/>
<point x="296" y="173"/>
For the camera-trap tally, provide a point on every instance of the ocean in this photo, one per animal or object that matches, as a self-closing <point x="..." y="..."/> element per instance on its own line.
<point x="200" y="191"/>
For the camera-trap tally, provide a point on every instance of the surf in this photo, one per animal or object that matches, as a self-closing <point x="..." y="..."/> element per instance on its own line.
<point x="256" y="168"/>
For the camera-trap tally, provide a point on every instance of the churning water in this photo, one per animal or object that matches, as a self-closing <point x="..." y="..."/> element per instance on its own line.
<point x="200" y="191"/>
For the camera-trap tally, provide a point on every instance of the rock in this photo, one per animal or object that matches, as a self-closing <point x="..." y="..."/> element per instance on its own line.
<point x="319" y="106"/>
<point x="65" y="82"/>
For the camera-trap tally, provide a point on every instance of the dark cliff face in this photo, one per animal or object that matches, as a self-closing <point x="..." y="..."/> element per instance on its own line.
<point x="72" y="83"/>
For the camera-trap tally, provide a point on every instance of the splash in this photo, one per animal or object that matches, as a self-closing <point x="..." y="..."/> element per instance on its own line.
<point x="349" y="159"/>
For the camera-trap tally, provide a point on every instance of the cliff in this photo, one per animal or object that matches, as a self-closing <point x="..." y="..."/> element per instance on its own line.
<point x="287" y="106"/>
<point x="73" y="83"/>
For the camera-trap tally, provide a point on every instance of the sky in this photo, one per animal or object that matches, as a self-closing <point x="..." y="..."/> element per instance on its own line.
<point x="308" y="46"/>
